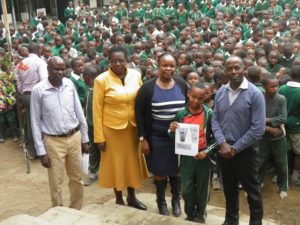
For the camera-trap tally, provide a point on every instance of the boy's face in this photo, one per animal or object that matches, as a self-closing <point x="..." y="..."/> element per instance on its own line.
<point x="273" y="58"/>
<point x="192" y="78"/>
<point x="182" y="60"/>
<point x="209" y="73"/>
<point x="78" y="68"/>
<point x="196" y="97"/>
<point x="271" y="87"/>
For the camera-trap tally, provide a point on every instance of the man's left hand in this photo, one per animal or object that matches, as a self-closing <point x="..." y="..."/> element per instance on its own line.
<point x="228" y="154"/>
<point x="85" y="148"/>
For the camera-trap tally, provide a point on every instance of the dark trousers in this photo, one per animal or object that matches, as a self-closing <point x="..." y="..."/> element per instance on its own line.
<point x="242" y="168"/>
<point x="30" y="142"/>
<point x="94" y="153"/>
<point x="195" y="176"/>
<point x="275" y="149"/>
<point x="10" y="117"/>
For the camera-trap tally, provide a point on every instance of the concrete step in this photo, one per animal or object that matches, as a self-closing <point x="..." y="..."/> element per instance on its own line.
<point x="125" y="215"/>
<point x="67" y="216"/>
<point x="24" y="219"/>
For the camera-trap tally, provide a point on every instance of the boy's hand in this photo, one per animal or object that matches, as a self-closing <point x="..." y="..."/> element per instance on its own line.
<point x="145" y="147"/>
<point x="200" y="155"/>
<point x="276" y="132"/>
<point x="45" y="160"/>
<point x="101" y="146"/>
<point x="173" y="126"/>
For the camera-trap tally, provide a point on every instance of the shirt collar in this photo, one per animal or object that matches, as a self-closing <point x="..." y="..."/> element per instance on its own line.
<point x="75" y="76"/>
<point x="293" y="84"/>
<point x="48" y="85"/>
<point x="244" y="85"/>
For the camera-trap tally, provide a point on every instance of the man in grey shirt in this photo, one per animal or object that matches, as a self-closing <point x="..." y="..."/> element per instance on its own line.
<point x="238" y="122"/>
<point x="57" y="117"/>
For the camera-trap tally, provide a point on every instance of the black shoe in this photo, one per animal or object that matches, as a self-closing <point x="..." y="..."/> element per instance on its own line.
<point x="136" y="204"/>
<point x="188" y="218"/>
<point x="230" y="223"/>
<point x="176" y="208"/>
<point x="199" y="220"/>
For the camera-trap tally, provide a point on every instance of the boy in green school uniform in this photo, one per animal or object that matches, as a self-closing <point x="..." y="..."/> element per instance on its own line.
<point x="273" y="66"/>
<point x="182" y="14"/>
<point x="170" y="11"/>
<point x="195" y="170"/>
<point x="81" y="88"/>
<point x="123" y="11"/>
<point x="148" y="15"/>
<point x="296" y="11"/>
<point x="139" y="11"/>
<point x="69" y="12"/>
<point x="58" y="46"/>
<point x="89" y="75"/>
<point x="208" y="9"/>
<point x="195" y="14"/>
<point x="158" y="11"/>
<point x="273" y="143"/>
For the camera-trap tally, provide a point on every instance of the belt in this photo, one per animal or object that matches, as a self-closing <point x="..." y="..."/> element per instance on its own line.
<point x="27" y="93"/>
<point x="71" y="132"/>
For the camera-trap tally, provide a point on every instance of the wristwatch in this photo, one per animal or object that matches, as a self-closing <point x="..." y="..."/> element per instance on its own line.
<point x="142" y="138"/>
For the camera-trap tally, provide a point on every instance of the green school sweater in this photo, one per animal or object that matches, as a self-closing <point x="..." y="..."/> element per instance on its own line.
<point x="55" y="50"/>
<point x="291" y="91"/>
<point x="182" y="17"/>
<point x="273" y="69"/>
<point x="81" y="89"/>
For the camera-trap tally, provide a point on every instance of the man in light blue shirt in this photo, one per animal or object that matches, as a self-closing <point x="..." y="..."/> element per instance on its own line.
<point x="238" y="122"/>
<point x="56" y="119"/>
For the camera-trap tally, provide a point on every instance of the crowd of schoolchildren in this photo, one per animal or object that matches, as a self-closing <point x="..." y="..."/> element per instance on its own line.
<point x="201" y="35"/>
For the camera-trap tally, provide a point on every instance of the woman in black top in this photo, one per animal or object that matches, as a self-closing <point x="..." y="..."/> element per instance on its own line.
<point x="157" y="103"/>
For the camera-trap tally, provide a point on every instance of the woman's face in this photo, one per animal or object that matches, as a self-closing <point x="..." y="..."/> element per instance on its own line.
<point x="167" y="67"/>
<point x="118" y="63"/>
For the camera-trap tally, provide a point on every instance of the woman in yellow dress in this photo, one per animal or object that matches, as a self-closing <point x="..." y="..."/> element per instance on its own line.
<point x="122" y="164"/>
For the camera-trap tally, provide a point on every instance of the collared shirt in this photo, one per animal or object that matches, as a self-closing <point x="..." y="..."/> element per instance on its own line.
<point x="243" y="122"/>
<point x="293" y="84"/>
<point x="75" y="76"/>
<point x="55" y="111"/>
<point x="30" y="71"/>
<point x="232" y="95"/>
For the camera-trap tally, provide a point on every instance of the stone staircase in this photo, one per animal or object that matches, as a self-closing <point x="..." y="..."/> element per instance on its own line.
<point x="111" y="214"/>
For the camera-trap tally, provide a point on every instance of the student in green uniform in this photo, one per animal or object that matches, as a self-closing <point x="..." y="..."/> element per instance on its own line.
<point x="273" y="66"/>
<point x="296" y="11"/>
<point x="291" y="91"/>
<point x="158" y="11"/>
<point x="148" y="15"/>
<point x="76" y="78"/>
<point x="170" y="11"/>
<point x="58" y="45"/>
<point x="195" y="171"/>
<point x="123" y="11"/>
<point x="208" y="9"/>
<point x="89" y="74"/>
<point x="254" y="75"/>
<point x="182" y="14"/>
<point x="195" y="14"/>
<point x="69" y="12"/>
<point x="139" y="11"/>
<point x="273" y="143"/>
<point x="275" y="10"/>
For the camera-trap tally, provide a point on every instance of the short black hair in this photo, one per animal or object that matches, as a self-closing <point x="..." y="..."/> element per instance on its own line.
<point x="164" y="55"/>
<point x="197" y="85"/>
<point x="115" y="49"/>
<point x="295" y="72"/>
<point x="74" y="61"/>
<point x="267" y="79"/>
<point x="90" y="71"/>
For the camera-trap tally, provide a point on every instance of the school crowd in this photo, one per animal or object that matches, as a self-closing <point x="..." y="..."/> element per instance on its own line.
<point x="127" y="76"/>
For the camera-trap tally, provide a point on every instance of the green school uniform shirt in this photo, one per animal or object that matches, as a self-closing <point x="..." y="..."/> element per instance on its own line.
<point x="47" y="38"/>
<point x="55" y="50"/>
<point x="276" y="11"/>
<point x="170" y="12"/>
<point x="81" y="88"/>
<point x="158" y="13"/>
<point x="104" y="64"/>
<point x="182" y="16"/>
<point x="209" y="12"/>
<point x="228" y="9"/>
<point x="123" y="13"/>
<point x="273" y="70"/>
<point x="250" y="10"/>
<point x="194" y="15"/>
<point x="69" y="13"/>
<point x="2" y="41"/>
<point x="148" y="15"/>
<point x="296" y="13"/>
<point x="139" y="13"/>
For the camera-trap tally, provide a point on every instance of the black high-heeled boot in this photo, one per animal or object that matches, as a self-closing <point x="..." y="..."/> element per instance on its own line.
<point x="161" y="186"/>
<point x="175" y="190"/>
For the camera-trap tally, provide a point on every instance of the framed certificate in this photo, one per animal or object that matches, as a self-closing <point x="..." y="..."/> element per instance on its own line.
<point x="187" y="139"/>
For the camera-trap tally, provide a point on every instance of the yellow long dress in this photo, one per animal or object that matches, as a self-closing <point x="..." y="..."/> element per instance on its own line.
<point x="122" y="165"/>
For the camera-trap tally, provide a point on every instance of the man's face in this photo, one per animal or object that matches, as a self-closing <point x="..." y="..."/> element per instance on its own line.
<point x="234" y="69"/>
<point x="56" y="72"/>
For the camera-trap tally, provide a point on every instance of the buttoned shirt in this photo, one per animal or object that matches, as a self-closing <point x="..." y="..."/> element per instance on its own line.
<point x="232" y="95"/>
<point x="55" y="111"/>
<point x="30" y="71"/>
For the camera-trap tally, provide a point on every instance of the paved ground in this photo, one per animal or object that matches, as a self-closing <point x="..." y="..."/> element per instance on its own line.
<point x="29" y="193"/>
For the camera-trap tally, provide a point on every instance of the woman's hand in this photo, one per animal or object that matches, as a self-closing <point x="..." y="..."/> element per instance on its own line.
<point x="145" y="147"/>
<point x="101" y="146"/>
<point x="173" y="126"/>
